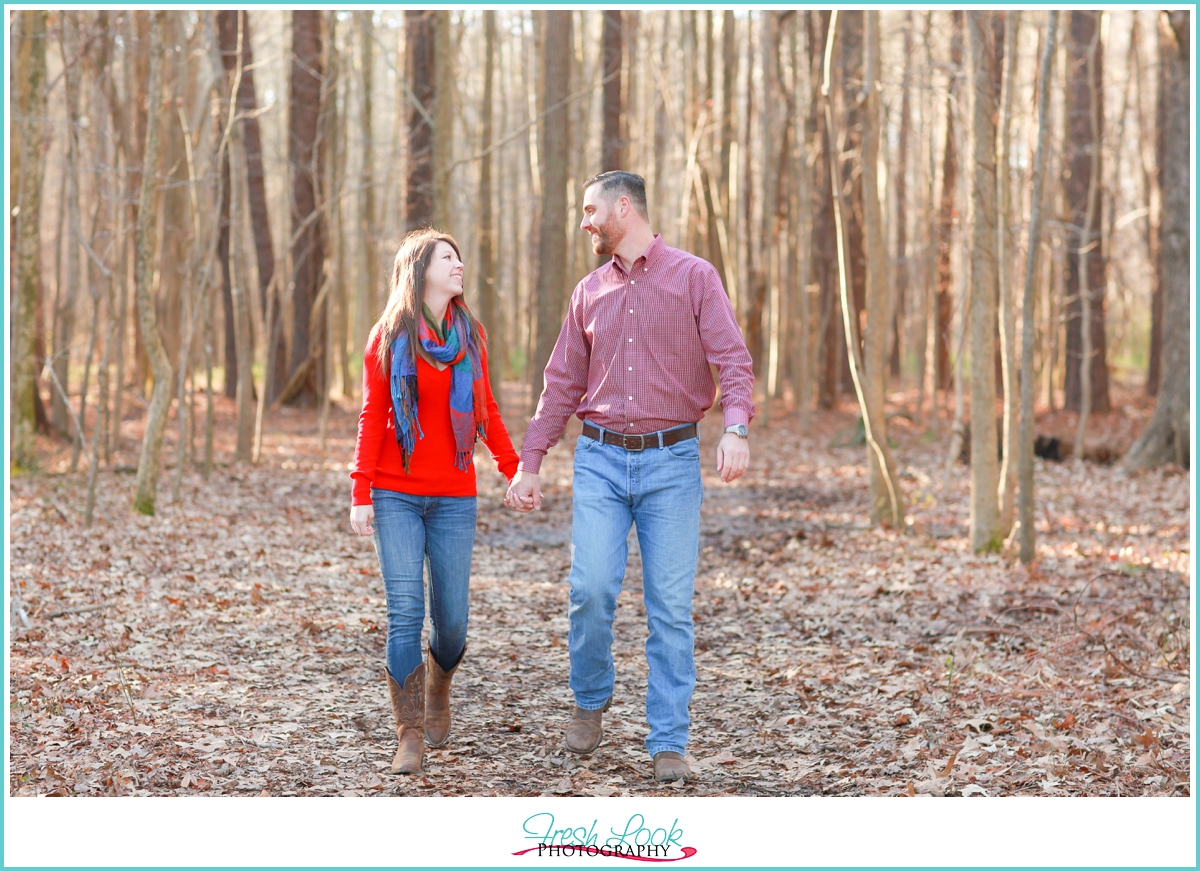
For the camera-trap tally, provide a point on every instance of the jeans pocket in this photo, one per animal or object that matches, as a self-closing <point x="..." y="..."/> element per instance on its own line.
<point x="688" y="449"/>
<point x="583" y="444"/>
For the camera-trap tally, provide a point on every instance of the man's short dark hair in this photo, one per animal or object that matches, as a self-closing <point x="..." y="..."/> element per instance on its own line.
<point x="618" y="183"/>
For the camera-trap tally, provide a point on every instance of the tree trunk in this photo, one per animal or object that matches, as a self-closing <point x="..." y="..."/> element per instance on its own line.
<point x="552" y="289"/>
<point x="1166" y="437"/>
<point x="68" y="291"/>
<point x="901" y="174"/>
<point x="1029" y="298"/>
<point x="241" y="308"/>
<point x="944" y="306"/>
<point x="419" y="32"/>
<point x="985" y="519"/>
<point x="886" y="509"/>
<point x="851" y="70"/>
<point x="260" y="216"/>
<point x="308" y="251"/>
<point x="443" y="122"/>
<point x="823" y="245"/>
<point x="612" y="142"/>
<point x="1008" y="318"/>
<point x="1155" y="198"/>
<point x="367" y="288"/>
<point x="872" y="427"/>
<point x="489" y="308"/>
<point x="1084" y="116"/>
<point x="30" y="44"/>
<point x="160" y="365"/>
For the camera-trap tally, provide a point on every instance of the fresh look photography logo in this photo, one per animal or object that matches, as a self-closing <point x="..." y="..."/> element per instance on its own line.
<point x="635" y="839"/>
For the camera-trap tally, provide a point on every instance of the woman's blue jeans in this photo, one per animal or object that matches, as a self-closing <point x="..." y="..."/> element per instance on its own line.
<point x="410" y="531"/>
<point x="659" y="490"/>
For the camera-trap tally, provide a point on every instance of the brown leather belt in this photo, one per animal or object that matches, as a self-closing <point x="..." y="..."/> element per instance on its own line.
<point x="663" y="438"/>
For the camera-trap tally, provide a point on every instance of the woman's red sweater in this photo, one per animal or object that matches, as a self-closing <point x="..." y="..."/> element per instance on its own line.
<point x="377" y="460"/>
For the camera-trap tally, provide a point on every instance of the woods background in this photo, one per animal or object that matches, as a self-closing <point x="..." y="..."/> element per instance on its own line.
<point x="923" y="219"/>
<point x="152" y="234"/>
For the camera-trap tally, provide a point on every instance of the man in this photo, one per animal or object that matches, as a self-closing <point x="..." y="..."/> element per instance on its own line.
<point x="632" y="361"/>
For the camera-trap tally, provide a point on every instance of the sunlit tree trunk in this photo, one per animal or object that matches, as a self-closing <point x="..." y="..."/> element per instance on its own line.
<point x="419" y="33"/>
<point x="886" y="508"/>
<point x="1029" y="298"/>
<point x="985" y="519"/>
<point x="1008" y="317"/>
<point x="160" y="365"/>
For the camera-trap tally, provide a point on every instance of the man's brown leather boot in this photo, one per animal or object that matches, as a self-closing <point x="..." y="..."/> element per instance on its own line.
<point x="669" y="765"/>
<point x="437" y="702"/>
<point x="585" y="729"/>
<point x="408" y="704"/>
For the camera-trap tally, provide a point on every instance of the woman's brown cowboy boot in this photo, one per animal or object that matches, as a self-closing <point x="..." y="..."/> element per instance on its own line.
<point x="408" y="704"/>
<point x="437" y="702"/>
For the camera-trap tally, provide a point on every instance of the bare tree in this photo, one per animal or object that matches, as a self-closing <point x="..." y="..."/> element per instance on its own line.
<point x="489" y="308"/>
<point x="1029" y="299"/>
<point x="1008" y="318"/>
<point x="30" y="45"/>
<point x="872" y="427"/>
<point x="551" y="289"/>
<point x="612" y="142"/>
<point x="985" y="519"/>
<point x="1083" y="140"/>
<point x="1166" y="436"/>
<point x="306" y="380"/>
<point x="901" y="175"/>
<point x="945" y="225"/>
<point x="160" y="364"/>
<point x="420" y="27"/>
<point x="886" y="508"/>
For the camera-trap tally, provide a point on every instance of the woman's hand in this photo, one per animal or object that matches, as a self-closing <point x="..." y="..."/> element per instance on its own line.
<point x="361" y="518"/>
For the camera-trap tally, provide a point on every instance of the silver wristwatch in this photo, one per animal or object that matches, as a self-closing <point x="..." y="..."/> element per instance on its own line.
<point x="739" y="430"/>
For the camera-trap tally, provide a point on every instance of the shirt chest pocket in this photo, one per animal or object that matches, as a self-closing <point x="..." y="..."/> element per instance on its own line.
<point x="668" y="328"/>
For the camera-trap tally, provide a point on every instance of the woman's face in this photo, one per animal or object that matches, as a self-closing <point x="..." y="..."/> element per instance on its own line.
<point x="444" y="275"/>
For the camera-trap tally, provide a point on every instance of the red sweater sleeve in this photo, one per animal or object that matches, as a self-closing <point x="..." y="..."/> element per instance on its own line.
<point x="372" y="423"/>
<point x="498" y="442"/>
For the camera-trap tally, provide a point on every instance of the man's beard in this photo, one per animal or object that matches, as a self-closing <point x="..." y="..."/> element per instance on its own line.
<point x="605" y="239"/>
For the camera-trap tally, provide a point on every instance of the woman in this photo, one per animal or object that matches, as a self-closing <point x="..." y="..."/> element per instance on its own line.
<point x="426" y="396"/>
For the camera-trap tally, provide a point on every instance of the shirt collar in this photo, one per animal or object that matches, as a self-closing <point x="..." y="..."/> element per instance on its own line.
<point x="651" y="254"/>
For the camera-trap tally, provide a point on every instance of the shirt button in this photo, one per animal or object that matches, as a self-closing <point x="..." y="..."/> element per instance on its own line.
<point x="631" y="340"/>
<point x="630" y="368"/>
<point x="631" y="311"/>
<point x="631" y="399"/>
<point x="631" y="281"/>
<point x="645" y="269"/>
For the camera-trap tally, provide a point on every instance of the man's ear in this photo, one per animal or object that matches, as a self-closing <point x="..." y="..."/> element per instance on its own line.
<point x="625" y="205"/>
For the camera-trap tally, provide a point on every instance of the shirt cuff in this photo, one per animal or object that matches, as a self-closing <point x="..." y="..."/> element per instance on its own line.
<point x="531" y="461"/>
<point x="734" y="416"/>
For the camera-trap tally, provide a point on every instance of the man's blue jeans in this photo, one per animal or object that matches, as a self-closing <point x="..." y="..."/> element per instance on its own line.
<point x="408" y="530"/>
<point x="659" y="490"/>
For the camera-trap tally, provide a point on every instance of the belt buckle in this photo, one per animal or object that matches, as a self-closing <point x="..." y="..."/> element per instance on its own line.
<point x="641" y="444"/>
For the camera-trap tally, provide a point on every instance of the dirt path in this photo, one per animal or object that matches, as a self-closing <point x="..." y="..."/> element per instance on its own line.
<point x="234" y="643"/>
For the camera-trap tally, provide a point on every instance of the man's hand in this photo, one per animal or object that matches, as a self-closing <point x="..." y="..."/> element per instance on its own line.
<point x="733" y="456"/>
<point x="361" y="518"/>
<point x="524" y="493"/>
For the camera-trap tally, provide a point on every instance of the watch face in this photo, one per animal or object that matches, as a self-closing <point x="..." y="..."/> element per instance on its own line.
<point x="738" y="429"/>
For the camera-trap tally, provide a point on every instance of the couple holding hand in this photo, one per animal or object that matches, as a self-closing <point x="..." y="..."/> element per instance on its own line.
<point x="632" y="361"/>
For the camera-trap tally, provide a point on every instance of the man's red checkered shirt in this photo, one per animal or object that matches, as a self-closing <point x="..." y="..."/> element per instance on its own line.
<point x="634" y="352"/>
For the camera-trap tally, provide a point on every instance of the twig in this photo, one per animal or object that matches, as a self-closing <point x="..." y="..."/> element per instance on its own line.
<point x="83" y="609"/>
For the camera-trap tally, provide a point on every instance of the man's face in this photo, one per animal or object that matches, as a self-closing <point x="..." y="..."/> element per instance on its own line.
<point x="602" y="221"/>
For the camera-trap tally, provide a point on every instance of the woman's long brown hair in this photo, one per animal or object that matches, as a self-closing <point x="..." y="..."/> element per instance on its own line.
<point x="407" y="293"/>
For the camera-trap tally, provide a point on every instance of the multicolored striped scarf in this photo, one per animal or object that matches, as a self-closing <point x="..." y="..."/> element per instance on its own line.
<point x="468" y="412"/>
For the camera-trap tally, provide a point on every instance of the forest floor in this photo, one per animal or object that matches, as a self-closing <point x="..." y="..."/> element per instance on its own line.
<point x="233" y="644"/>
